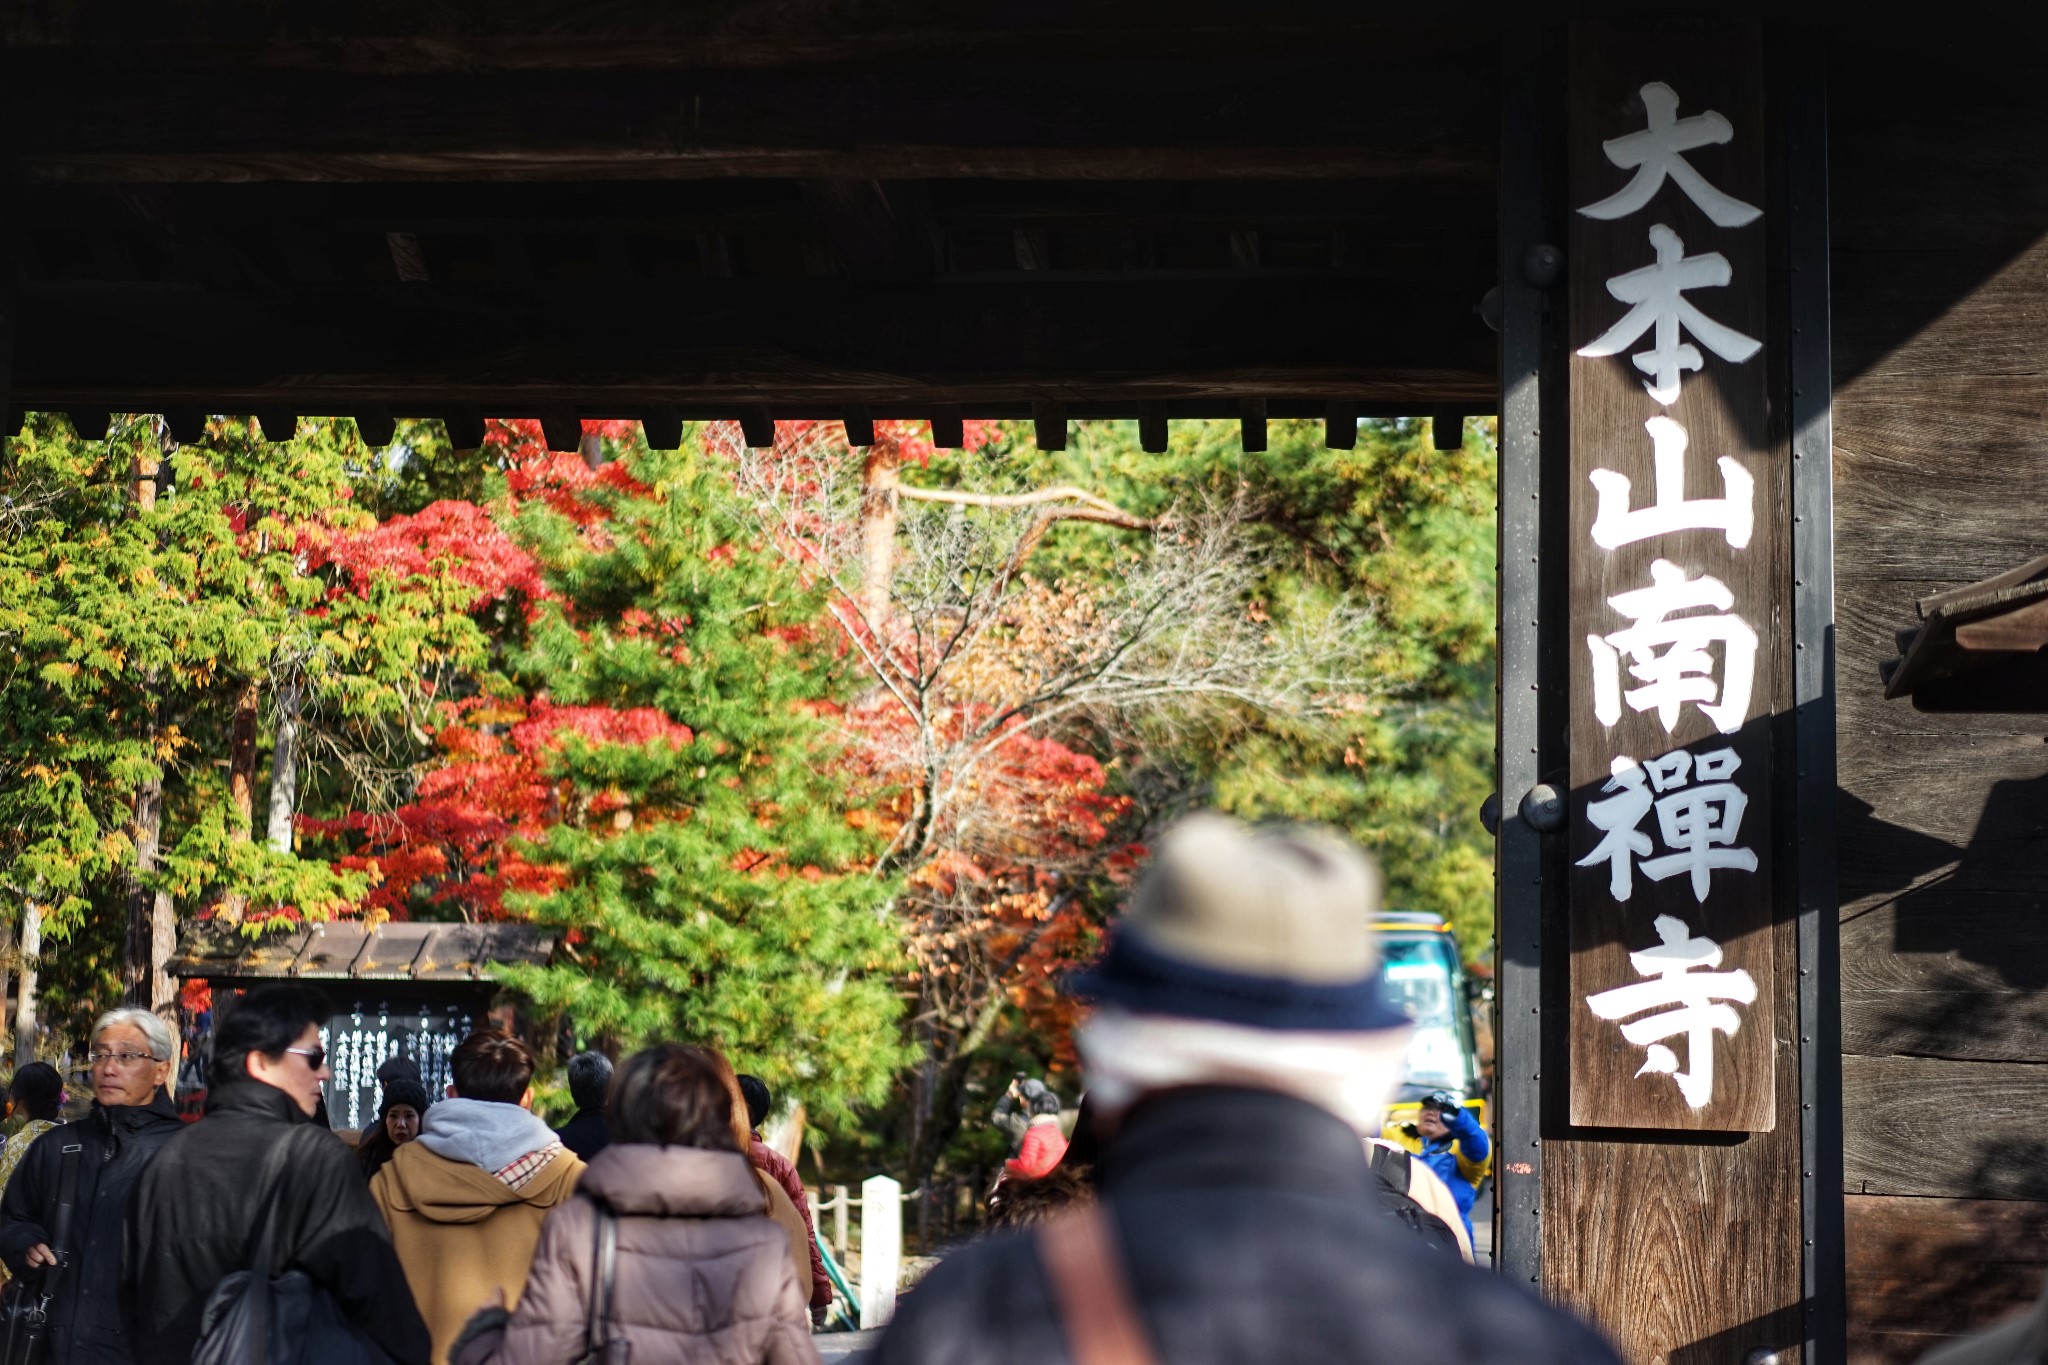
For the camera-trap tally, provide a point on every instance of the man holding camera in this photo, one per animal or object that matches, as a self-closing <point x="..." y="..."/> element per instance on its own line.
<point x="1453" y="1143"/>
<point x="1035" y="1135"/>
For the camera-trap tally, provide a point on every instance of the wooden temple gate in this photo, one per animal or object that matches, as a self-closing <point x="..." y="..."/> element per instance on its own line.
<point x="1770" y="379"/>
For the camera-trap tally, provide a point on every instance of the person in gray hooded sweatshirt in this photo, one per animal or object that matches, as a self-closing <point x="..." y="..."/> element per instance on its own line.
<point x="467" y="1198"/>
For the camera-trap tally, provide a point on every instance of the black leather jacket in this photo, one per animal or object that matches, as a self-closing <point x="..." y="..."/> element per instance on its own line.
<point x="116" y="1144"/>
<point x="198" y="1212"/>
<point x="1250" y="1234"/>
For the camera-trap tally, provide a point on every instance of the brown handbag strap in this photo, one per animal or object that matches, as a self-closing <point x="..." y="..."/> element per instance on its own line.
<point x="1090" y="1292"/>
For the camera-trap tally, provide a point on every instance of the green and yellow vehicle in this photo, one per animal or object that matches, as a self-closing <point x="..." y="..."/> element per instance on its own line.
<point x="1424" y="977"/>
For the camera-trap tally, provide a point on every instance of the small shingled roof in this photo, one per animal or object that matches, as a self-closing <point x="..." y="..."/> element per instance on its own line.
<point x="1978" y="648"/>
<point x="348" y="950"/>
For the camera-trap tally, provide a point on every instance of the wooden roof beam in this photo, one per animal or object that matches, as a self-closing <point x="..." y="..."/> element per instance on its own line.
<point x="1229" y="119"/>
<point x="831" y="342"/>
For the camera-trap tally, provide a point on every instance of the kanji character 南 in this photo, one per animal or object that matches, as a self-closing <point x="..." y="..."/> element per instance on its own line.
<point x="1668" y="653"/>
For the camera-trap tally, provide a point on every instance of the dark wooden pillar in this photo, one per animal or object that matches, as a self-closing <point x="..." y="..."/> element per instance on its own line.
<point x="1659" y="582"/>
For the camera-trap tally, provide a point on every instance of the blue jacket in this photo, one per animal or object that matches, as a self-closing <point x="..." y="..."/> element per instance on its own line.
<point x="1466" y="1136"/>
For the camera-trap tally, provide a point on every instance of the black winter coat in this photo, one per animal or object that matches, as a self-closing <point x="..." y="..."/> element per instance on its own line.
<point x="118" y="1142"/>
<point x="587" y="1134"/>
<point x="196" y="1218"/>
<point x="1250" y="1234"/>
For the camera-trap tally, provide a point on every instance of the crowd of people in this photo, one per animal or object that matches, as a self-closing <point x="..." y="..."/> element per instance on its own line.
<point x="462" y="1230"/>
<point x="1222" y="1195"/>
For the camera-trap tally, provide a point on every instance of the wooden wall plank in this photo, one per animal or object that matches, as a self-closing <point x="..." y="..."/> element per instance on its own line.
<point x="1920" y="1270"/>
<point x="1950" y="1129"/>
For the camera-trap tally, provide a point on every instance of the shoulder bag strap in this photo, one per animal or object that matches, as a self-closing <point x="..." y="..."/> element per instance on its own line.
<point x="270" y="1206"/>
<point x="607" y="1272"/>
<point x="604" y="1252"/>
<point x="1089" y="1291"/>
<point x="1391" y="1165"/>
<point x="67" y="1201"/>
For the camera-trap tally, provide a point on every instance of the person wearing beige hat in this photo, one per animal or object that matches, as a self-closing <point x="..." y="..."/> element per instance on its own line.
<point x="1240" y="1052"/>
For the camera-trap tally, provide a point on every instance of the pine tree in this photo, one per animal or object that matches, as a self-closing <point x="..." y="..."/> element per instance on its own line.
<point x="712" y="884"/>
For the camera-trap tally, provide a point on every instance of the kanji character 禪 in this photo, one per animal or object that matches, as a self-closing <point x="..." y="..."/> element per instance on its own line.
<point x="1693" y="1002"/>
<point x="1700" y="824"/>
<point x="1657" y="304"/>
<point x="1699" y="817"/>
<point x="1657" y="153"/>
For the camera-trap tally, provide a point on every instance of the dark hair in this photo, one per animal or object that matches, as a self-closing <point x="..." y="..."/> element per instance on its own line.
<point x="397" y="1068"/>
<point x="374" y="1148"/>
<point x="672" y="1096"/>
<point x="755" y="1091"/>
<point x="1045" y="1102"/>
<point x="1020" y="1202"/>
<point x="37" y="1090"/>
<point x="268" y="1020"/>
<point x="491" y="1065"/>
<point x="590" y="1076"/>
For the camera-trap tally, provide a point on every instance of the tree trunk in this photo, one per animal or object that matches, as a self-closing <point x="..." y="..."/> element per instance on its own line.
<point x="284" y="771"/>
<point x="878" y="513"/>
<point x="242" y="758"/>
<point x="242" y="783"/>
<point x="6" y="966"/>
<point x="151" y="927"/>
<point x="25" y="1003"/>
<point x="143" y="981"/>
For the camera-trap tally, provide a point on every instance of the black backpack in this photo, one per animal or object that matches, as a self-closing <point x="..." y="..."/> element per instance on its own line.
<point x="1391" y="1167"/>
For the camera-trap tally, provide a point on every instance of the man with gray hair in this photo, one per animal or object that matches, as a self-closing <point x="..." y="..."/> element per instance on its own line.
<point x="1241" y="1053"/>
<point x="62" y="1214"/>
<point x="590" y="1081"/>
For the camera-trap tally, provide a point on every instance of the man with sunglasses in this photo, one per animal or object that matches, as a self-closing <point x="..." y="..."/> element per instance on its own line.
<point x="74" y="1254"/>
<point x="257" y="1169"/>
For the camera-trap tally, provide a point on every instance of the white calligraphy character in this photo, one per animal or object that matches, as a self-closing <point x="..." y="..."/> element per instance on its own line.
<point x="1657" y="153"/>
<point x="1617" y="523"/>
<point x="1691" y="999"/>
<point x="1700" y="824"/>
<point x="1668" y="653"/>
<point x="1656" y="295"/>
<point x="1623" y="804"/>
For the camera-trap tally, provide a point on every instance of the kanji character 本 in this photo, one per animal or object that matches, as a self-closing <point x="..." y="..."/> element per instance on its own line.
<point x="1625" y="800"/>
<point x="1617" y="523"/>
<point x="1657" y="153"/>
<point x="1657" y="303"/>
<point x="1693" y="1002"/>
<point x="1669" y="655"/>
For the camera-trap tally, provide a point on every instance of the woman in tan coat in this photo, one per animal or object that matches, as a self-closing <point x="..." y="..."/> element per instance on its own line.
<point x="702" y="1275"/>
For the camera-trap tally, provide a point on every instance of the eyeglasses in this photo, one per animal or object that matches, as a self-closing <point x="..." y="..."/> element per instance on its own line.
<point x="316" y="1057"/>
<point x="121" y="1058"/>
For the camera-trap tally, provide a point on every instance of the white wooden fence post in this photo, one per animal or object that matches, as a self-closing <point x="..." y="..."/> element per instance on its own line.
<point x="881" y="1248"/>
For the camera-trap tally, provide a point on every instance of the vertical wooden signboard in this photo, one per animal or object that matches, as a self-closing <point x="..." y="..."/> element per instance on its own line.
<point x="1679" y="547"/>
